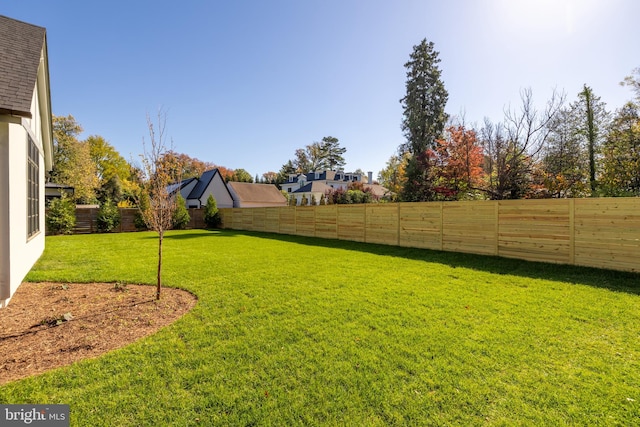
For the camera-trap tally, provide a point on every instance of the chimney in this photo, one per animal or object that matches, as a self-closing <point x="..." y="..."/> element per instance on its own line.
<point x="370" y="177"/>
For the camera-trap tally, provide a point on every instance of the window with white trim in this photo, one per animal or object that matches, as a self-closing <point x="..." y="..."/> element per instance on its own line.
<point x="33" y="189"/>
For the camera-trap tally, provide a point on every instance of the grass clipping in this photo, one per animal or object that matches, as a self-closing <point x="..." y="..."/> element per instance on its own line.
<point x="49" y="325"/>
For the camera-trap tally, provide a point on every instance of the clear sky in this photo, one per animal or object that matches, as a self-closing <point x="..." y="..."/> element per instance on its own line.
<point x="246" y="83"/>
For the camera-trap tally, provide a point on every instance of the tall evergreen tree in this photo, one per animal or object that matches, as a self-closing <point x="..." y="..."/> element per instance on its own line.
<point x="333" y="153"/>
<point x="424" y="119"/>
<point x="592" y="119"/>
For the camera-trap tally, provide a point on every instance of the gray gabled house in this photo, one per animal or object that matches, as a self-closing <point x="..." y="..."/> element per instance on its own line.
<point x="196" y="191"/>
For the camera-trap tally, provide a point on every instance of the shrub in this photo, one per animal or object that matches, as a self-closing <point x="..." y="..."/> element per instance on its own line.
<point x="108" y="217"/>
<point x="61" y="216"/>
<point x="181" y="215"/>
<point x="211" y="213"/>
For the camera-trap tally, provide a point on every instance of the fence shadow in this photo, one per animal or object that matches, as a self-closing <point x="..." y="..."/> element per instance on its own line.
<point x="617" y="281"/>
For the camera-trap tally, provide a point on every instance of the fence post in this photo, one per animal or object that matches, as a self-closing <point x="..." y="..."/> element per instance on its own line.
<point x="572" y="231"/>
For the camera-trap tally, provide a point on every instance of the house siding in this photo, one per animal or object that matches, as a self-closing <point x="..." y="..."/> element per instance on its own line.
<point x="17" y="251"/>
<point x="219" y="191"/>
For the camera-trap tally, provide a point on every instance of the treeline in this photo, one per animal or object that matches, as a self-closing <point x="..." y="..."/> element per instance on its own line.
<point x="98" y="172"/>
<point x="565" y="149"/>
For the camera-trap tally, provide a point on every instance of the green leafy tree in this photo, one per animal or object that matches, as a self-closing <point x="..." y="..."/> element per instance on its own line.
<point x="241" y="175"/>
<point x="112" y="169"/>
<point x="61" y="215"/>
<point x="424" y="119"/>
<point x="392" y="177"/>
<point x="211" y="213"/>
<point x="633" y="81"/>
<point x="108" y="216"/>
<point x="302" y="162"/>
<point x="73" y="165"/>
<point x="565" y="161"/>
<point x="621" y="154"/>
<point x="181" y="214"/>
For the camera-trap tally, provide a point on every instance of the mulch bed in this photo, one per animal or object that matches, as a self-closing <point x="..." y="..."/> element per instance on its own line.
<point x="49" y="325"/>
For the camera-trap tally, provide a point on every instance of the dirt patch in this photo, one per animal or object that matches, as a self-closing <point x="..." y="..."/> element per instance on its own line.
<point x="48" y="325"/>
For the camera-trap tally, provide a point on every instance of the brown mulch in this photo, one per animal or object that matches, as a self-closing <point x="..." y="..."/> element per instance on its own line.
<point x="48" y="325"/>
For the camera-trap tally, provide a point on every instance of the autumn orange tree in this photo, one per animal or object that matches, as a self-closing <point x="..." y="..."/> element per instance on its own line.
<point x="459" y="160"/>
<point x="155" y="200"/>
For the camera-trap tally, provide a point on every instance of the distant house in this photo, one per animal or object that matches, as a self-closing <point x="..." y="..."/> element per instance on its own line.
<point x="26" y="149"/>
<point x="314" y="185"/>
<point x="196" y="191"/>
<point x="55" y="191"/>
<point x="248" y="195"/>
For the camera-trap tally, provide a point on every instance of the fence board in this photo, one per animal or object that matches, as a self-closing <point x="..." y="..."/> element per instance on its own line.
<point x="288" y="220"/>
<point x="535" y="230"/>
<point x="421" y="225"/>
<point x="607" y="233"/>
<point x="258" y="219"/>
<point x="381" y="224"/>
<point x="327" y="221"/>
<point x="272" y="220"/>
<point x="305" y="221"/>
<point x="351" y="222"/>
<point x="470" y="227"/>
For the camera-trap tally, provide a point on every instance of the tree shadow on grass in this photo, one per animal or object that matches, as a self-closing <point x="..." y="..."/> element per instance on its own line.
<point x="617" y="281"/>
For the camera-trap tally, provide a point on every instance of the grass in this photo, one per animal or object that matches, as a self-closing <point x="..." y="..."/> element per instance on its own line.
<point x="302" y="331"/>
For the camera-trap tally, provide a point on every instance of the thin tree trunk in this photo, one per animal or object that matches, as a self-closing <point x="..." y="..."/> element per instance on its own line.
<point x="159" y="284"/>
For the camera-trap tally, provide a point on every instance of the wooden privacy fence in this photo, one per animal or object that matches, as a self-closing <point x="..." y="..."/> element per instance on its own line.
<point x="86" y="219"/>
<point x="597" y="232"/>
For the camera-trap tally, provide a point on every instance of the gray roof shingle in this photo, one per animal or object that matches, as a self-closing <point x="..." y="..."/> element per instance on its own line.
<point x="21" y="46"/>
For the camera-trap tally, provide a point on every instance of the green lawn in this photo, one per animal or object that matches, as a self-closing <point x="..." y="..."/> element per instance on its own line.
<point x="302" y="331"/>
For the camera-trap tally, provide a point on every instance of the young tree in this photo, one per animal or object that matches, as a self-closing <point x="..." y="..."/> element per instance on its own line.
<point x="156" y="176"/>
<point x="108" y="216"/>
<point x="181" y="215"/>
<point x="424" y="119"/>
<point x="61" y="215"/>
<point x="211" y="213"/>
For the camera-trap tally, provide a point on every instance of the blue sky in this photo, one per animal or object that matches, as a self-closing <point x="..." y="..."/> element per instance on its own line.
<point x="246" y="83"/>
